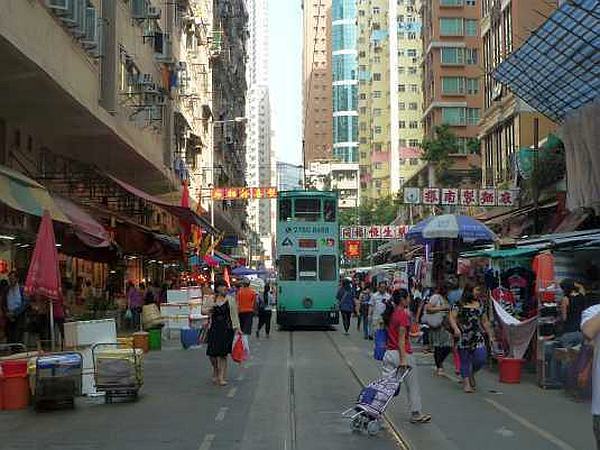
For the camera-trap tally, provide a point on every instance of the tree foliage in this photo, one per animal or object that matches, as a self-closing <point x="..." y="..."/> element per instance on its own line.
<point x="381" y="211"/>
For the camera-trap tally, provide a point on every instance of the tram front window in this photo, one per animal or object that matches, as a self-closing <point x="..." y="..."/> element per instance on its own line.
<point x="287" y="268"/>
<point x="327" y="268"/>
<point x="308" y="209"/>
<point x="285" y="210"/>
<point x="307" y="268"/>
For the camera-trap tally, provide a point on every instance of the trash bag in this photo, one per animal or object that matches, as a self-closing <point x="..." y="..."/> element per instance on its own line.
<point x="238" y="350"/>
<point x="380" y="340"/>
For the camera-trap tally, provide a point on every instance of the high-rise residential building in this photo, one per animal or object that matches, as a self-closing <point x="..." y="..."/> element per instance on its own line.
<point x="452" y="78"/>
<point x="452" y="84"/>
<point x="507" y="122"/>
<point x="406" y="160"/>
<point x="317" y="80"/>
<point x="229" y="88"/>
<point x="258" y="114"/>
<point x="345" y="80"/>
<point x="390" y="98"/>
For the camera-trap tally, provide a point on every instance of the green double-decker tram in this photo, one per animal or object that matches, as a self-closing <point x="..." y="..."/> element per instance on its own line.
<point x="307" y="258"/>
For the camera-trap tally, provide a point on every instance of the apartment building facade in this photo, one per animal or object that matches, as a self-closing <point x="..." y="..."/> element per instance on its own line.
<point x="507" y="122"/>
<point x="345" y="80"/>
<point x="452" y="81"/>
<point x="229" y="87"/>
<point x="317" y="104"/>
<point x="332" y="175"/>
<point x="258" y="112"/>
<point x="105" y="101"/>
<point x="390" y="98"/>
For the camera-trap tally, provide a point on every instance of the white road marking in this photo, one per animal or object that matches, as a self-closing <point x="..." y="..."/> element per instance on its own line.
<point x="504" y="432"/>
<point x="207" y="442"/>
<point x="527" y="424"/>
<point x="221" y="414"/>
<point x="232" y="392"/>
<point x="240" y="377"/>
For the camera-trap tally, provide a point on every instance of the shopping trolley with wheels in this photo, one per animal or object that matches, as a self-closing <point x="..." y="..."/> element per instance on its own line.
<point x="117" y="371"/>
<point x="367" y="413"/>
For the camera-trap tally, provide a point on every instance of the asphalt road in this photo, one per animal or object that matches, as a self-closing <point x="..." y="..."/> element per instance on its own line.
<point x="290" y="395"/>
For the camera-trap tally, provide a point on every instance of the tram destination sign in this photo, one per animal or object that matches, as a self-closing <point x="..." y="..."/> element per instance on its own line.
<point x="373" y="232"/>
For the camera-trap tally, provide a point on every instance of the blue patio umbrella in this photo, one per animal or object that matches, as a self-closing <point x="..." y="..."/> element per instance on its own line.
<point x="451" y="226"/>
<point x="243" y="271"/>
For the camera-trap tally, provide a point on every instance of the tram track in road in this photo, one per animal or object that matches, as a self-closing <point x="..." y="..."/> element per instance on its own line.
<point x="399" y="439"/>
<point x="291" y="394"/>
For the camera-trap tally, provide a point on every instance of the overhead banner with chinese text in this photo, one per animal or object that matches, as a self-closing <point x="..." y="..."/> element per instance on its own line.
<point x="244" y="193"/>
<point x="373" y="232"/>
<point x="460" y="197"/>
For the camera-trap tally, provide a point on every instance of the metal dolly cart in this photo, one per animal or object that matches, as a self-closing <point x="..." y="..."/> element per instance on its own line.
<point x="117" y="371"/>
<point x="57" y="380"/>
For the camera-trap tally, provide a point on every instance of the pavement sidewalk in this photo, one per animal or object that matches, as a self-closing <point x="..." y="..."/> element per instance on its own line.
<point x="498" y="416"/>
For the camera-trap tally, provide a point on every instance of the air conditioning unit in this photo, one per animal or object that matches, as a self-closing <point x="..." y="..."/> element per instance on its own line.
<point x="153" y="12"/>
<point x="139" y="9"/>
<point x="146" y="78"/>
<point x="150" y="88"/>
<point x="90" y="36"/>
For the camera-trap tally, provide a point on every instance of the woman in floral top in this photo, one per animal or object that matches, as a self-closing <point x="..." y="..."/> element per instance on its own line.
<point x="468" y="321"/>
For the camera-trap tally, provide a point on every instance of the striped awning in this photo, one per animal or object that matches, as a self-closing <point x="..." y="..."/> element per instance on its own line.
<point x="26" y="195"/>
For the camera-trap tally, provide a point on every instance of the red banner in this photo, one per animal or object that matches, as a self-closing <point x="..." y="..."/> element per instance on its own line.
<point x="352" y="249"/>
<point x="244" y="193"/>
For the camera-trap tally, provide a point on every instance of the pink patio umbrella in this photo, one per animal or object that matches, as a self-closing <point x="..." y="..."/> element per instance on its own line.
<point x="43" y="277"/>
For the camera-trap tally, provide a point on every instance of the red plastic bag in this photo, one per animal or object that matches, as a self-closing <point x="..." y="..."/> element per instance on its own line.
<point x="238" y="351"/>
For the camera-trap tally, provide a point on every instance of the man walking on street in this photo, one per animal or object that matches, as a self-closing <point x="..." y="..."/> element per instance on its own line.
<point x="378" y="302"/>
<point x="246" y="302"/>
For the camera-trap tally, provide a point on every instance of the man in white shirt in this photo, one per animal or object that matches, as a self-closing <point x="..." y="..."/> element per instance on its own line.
<point x="378" y="302"/>
<point x="590" y="325"/>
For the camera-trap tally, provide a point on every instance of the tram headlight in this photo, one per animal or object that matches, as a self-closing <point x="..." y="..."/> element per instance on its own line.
<point x="307" y="303"/>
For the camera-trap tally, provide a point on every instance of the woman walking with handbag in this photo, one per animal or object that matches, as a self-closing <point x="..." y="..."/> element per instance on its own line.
<point x="436" y="312"/>
<point x="469" y="322"/>
<point x="224" y="323"/>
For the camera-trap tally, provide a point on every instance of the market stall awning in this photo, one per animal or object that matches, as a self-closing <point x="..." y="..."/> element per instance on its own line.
<point x="501" y="253"/>
<point x="87" y="229"/>
<point x="181" y="212"/>
<point x="26" y="195"/>
<point x="557" y="69"/>
<point x="225" y="258"/>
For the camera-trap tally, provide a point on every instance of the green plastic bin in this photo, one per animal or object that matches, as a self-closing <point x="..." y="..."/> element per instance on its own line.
<point x="154" y="339"/>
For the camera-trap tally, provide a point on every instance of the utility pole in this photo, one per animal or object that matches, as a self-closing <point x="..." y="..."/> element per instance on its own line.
<point x="535" y="176"/>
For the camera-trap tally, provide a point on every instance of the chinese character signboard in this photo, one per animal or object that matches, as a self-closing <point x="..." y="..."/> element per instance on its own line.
<point x="463" y="197"/>
<point x="468" y="197"/>
<point x="487" y="197"/>
<point x="244" y="193"/>
<point x="506" y="198"/>
<point x="352" y="249"/>
<point x="373" y="232"/>
<point x="431" y="196"/>
<point x="449" y="196"/>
